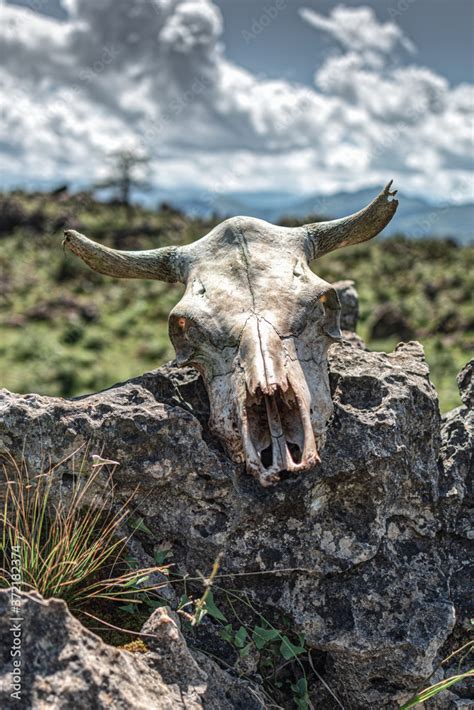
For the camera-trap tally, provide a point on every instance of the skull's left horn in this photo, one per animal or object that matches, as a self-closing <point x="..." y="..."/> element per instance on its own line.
<point x="165" y="264"/>
<point x="323" y="237"/>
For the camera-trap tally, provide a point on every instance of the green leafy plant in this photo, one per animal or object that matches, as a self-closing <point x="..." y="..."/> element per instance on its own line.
<point x="281" y="661"/>
<point x="300" y="693"/>
<point x="281" y="657"/>
<point x="69" y="541"/>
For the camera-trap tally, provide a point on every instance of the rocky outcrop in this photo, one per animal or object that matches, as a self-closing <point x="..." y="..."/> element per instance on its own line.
<point x="63" y="665"/>
<point x="365" y="555"/>
<point x="349" y="299"/>
<point x="456" y="511"/>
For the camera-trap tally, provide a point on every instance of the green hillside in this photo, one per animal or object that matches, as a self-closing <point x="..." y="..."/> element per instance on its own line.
<point x="66" y="330"/>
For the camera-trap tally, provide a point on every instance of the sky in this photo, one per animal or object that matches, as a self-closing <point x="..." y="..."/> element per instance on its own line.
<point x="296" y="96"/>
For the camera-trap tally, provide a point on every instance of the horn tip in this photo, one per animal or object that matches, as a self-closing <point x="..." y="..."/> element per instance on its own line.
<point x="387" y="187"/>
<point x="68" y="233"/>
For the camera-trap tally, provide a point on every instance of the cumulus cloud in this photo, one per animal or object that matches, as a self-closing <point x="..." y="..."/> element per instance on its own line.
<point x="358" y="30"/>
<point x="153" y="75"/>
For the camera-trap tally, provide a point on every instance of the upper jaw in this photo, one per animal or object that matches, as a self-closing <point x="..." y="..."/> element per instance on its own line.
<point x="277" y="433"/>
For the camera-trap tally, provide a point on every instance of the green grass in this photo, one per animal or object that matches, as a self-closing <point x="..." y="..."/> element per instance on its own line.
<point x="463" y="656"/>
<point x="434" y="690"/>
<point x="68" y="331"/>
<point x="66" y="539"/>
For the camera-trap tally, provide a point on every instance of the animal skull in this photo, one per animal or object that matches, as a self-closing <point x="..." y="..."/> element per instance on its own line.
<point x="257" y="323"/>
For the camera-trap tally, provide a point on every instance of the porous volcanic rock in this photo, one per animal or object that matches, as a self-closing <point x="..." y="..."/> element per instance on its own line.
<point x="63" y="665"/>
<point x="364" y="554"/>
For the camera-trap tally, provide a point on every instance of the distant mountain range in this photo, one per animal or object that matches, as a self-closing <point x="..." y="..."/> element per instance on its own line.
<point x="415" y="216"/>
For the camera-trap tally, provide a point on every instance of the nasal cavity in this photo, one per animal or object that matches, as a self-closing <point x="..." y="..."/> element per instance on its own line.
<point x="266" y="457"/>
<point x="275" y="418"/>
<point x="295" y="451"/>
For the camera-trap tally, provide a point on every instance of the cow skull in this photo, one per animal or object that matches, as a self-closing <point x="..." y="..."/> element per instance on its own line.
<point x="256" y="322"/>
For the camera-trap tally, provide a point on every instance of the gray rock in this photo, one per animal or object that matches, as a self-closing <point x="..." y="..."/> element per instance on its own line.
<point x="457" y="515"/>
<point x="466" y="384"/>
<point x="169" y="652"/>
<point x="349" y="299"/>
<point x="63" y="665"/>
<point x="349" y="304"/>
<point x="363" y="554"/>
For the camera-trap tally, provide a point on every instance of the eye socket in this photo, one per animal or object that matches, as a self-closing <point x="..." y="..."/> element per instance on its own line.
<point x="179" y="325"/>
<point x="185" y="337"/>
<point x="183" y="327"/>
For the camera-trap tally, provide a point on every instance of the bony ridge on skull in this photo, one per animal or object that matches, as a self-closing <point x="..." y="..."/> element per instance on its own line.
<point x="256" y="322"/>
